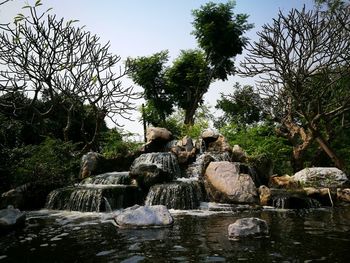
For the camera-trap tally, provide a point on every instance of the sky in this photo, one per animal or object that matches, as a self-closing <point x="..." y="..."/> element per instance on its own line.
<point x="143" y="27"/>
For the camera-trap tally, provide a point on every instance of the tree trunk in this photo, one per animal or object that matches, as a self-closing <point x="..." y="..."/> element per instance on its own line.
<point x="330" y="152"/>
<point x="66" y="129"/>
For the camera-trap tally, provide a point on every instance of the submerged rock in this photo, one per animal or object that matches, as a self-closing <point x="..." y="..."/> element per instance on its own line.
<point x="329" y="177"/>
<point x="11" y="218"/>
<point x="225" y="183"/>
<point x="144" y="216"/>
<point x="248" y="227"/>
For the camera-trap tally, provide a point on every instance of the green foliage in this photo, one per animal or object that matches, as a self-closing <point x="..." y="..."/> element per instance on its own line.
<point x="242" y="107"/>
<point x="188" y="81"/>
<point x="114" y="145"/>
<point x="51" y="164"/>
<point x="260" y="141"/>
<point x="148" y="72"/>
<point x="220" y="34"/>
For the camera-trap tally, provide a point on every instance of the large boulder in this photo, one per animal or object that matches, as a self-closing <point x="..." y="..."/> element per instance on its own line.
<point x="11" y="218"/>
<point x="329" y="177"/>
<point x="248" y="227"/>
<point x="157" y="139"/>
<point x="219" y="145"/>
<point x="144" y="216"/>
<point x="153" y="168"/>
<point x="226" y="184"/>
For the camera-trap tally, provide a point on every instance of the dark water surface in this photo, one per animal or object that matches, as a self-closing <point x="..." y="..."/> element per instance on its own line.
<point x="197" y="236"/>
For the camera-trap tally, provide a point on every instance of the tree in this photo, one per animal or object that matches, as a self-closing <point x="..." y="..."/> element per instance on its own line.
<point x="64" y="65"/>
<point x="219" y="33"/>
<point x="302" y="59"/>
<point x="148" y="72"/>
<point x="243" y="107"/>
<point x="187" y="79"/>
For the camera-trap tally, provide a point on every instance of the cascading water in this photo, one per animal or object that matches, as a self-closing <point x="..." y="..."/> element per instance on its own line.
<point x="176" y="195"/>
<point x="197" y="169"/>
<point x="102" y="193"/>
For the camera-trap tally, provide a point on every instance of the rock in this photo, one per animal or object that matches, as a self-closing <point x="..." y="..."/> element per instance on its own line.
<point x="263" y="167"/>
<point x="184" y="150"/>
<point x="89" y="164"/>
<point x="343" y="195"/>
<point x="210" y="134"/>
<point x="15" y="197"/>
<point x="219" y="145"/>
<point x="144" y="216"/>
<point x="284" y="181"/>
<point x="11" y="218"/>
<point x="158" y="134"/>
<point x="225" y="183"/>
<point x="323" y="195"/>
<point x="265" y="195"/>
<point x="329" y="177"/>
<point x="248" y="227"/>
<point x="153" y="168"/>
<point x="238" y="154"/>
<point x="186" y="143"/>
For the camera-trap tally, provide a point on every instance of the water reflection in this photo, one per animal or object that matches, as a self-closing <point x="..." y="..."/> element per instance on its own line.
<point x="295" y="236"/>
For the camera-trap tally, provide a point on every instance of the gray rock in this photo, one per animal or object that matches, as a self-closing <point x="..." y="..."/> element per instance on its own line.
<point x="248" y="227"/>
<point x="144" y="216"/>
<point x="10" y="218"/>
<point x="329" y="177"/>
<point x="157" y="133"/>
<point x="152" y="168"/>
<point x="210" y="134"/>
<point x="225" y="183"/>
<point x="88" y="164"/>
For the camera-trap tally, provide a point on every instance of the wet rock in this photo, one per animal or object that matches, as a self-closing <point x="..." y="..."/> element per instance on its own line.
<point x="343" y="195"/>
<point x="263" y="166"/>
<point x="109" y="178"/>
<point x="144" y="216"/>
<point x="292" y="199"/>
<point x="225" y="183"/>
<point x="15" y="197"/>
<point x="264" y="195"/>
<point x="184" y="150"/>
<point x="329" y="177"/>
<point x="153" y="168"/>
<point x="248" y="227"/>
<point x="11" y="218"/>
<point x="323" y="195"/>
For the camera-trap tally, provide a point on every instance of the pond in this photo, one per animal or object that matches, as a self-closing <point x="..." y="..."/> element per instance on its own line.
<point x="197" y="236"/>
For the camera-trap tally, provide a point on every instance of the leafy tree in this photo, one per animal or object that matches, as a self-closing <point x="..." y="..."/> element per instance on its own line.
<point x="187" y="79"/>
<point x="243" y="107"/>
<point x="219" y="33"/>
<point x="66" y="66"/>
<point x="148" y="72"/>
<point x="302" y="61"/>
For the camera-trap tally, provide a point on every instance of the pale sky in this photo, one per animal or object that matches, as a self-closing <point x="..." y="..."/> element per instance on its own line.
<point x="143" y="27"/>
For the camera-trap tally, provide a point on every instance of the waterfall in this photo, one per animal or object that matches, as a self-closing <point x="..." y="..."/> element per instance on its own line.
<point x="100" y="193"/>
<point x="176" y="195"/>
<point x="280" y="202"/>
<point x="112" y="178"/>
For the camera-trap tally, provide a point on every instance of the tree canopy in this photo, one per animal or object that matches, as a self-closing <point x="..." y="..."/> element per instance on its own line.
<point x="302" y="61"/>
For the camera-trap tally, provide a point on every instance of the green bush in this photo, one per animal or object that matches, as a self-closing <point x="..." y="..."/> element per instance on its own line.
<point x="114" y="145"/>
<point x="261" y="141"/>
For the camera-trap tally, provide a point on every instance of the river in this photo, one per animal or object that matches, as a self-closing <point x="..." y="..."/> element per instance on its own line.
<point x="196" y="236"/>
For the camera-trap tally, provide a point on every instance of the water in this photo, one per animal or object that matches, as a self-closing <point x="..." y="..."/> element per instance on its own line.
<point x="196" y="236"/>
